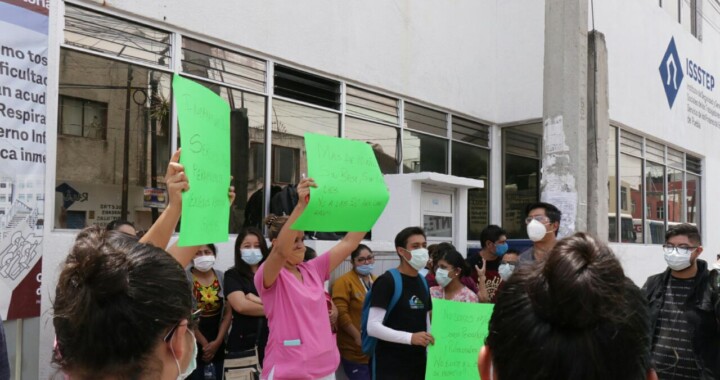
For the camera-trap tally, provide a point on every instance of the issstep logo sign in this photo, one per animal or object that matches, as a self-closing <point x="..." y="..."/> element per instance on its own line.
<point x="671" y="72"/>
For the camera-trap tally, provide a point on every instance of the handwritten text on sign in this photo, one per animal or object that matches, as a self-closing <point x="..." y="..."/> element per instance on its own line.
<point x="204" y="120"/>
<point x="459" y="329"/>
<point x="351" y="192"/>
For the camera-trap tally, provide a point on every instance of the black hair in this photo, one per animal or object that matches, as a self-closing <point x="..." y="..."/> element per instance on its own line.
<point x="117" y="223"/>
<point x="568" y="317"/>
<point x="447" y="252"/>
<point x="491" y="233"/>
<point x="360" y="248"/>
<point x="240" y="265"/>
<point x="309" y="254"/>
<point x="115" y="300"/>
<point x="552" y="212"/>
<point x="685" y="229"/>
<point x="213" y="248"/>
<point x="402" y="237"/>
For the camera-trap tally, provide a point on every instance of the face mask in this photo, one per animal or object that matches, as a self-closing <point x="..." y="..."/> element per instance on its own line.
<point x="419" y="258"/>
<point x="251" y="256"/>
<point x="364" y="270"/>
<point x="442" y="276"/>
<point x="716" y="266"/>
<point x="536" y="230"/>
<point x="193" y="360"/>
<point x="204" y="263"/>
<point x="505" y="271"/>
<point x="677" y="261"/>
<point x="500" y="249"/>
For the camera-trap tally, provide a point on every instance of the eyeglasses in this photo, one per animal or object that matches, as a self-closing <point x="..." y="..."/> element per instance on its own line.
<point x="683" y="249"/>
<point x="193" y="318"/>
<point x="367" y="259"/>
<point x="540" y="218"/>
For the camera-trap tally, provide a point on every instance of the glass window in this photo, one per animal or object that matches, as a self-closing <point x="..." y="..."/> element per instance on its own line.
<point x="674" y="195"/>
<point x="383" y="139"/>
<point x="631" y="193"/>
<point x="473" y="162"/>
<point x="423" y="153"/>
<point x="290" y="123"/>
<point x="82" y="118"/>
<point x="223" y="65"/>
<point x="521" y="172"/>
<point x="247" y="155"/>
<point x="612" y="187"/>
<point x="306" y="87"/>
<point x="371" y="105"/>
<point x="91" y="172"/>
<point x="99" y="32"/>
<point x="425" y="120"/>
<point x="470" y="132"/>
<point x="693" y="198"/>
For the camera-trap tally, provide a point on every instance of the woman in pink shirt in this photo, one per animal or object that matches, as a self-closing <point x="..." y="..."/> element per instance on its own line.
<point x="301" y="344"/>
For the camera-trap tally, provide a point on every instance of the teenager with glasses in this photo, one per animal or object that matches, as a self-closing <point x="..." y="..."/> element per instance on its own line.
<point x="685" y="310"/>
<point x="542" y="226"/>
<point x="122" y="306"/>
<point x="349" y="294"/>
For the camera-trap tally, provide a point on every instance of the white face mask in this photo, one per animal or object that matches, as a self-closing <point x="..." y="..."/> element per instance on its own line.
<point x="204" y="263"/>
<point x="716" y="266"/>
<point x="536" y="231"/>
<point x="193" y="360"/>
<point x="442" y="276"/>
<point x="251" y="256"/>
<point x="419" y="258"/>
<point x="505" y="271"/>
<point x="676" y="261"/>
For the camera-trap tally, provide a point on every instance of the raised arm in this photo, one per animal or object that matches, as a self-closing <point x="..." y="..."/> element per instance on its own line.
<point x="176" y="182"/>
<point x="344" y="248"/>
<point x="283" y="245"/>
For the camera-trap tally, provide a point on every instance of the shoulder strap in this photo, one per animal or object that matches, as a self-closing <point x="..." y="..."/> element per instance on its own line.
<point x="396" y="292"/>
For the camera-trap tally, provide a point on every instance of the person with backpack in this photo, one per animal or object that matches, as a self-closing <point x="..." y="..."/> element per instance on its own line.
<point x="399" y="313"/>
<point x="301" y="344"/>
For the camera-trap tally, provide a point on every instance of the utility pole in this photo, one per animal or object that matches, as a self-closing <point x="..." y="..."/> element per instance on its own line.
<point x="564" y="163"/>
<point x="126" y="148"/>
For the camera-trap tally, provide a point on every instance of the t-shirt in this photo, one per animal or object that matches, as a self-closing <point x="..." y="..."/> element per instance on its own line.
<point x="673" y="351"/>
<point x="301" y="345"/>
<point x="393" y="360"/>
<point x="245" y="328"/>
<point x="492" y="276"/>
<point x="464" y="295"/>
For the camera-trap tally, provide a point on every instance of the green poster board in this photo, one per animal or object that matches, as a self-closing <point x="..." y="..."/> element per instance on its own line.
<point x="351" y="192"/>
<point x="204" y="121"/>
<point x="459" y="329"/>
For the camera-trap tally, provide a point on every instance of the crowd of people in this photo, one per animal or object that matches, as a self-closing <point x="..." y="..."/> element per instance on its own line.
<point x="129" y="307"/>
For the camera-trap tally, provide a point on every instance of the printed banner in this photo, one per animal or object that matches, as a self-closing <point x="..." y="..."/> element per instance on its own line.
<point x="23" y="83"/>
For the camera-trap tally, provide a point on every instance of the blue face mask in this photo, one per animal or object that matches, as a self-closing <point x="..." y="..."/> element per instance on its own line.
<point x="500" y="249"/>
<point x="364" y="270"/>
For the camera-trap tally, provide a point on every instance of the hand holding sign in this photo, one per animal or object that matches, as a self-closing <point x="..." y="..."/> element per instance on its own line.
<point x="351" y="194"/>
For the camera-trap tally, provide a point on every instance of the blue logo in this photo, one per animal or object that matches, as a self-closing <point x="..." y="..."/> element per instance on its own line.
<point x="671" y="72"/>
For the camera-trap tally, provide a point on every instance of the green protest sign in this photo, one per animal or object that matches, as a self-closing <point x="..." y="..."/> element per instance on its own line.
<point x="204" y="121"/>
<point x="351" y="192"/>
<point x="459" y="329"/>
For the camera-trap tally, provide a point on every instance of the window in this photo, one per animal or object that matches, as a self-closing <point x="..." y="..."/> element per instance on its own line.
<point x="223" y="65"/>
<point x="425" y="120"/>
<point x="684" y="12"/>
<point x="3" y="198"/>
<point x="521" y="172"/>
<point x="471" y="160"/>
<point x="383" y="139"/>
<point x="306" y="87"/>
<point x="83" y="118"/>
<point x="664" y="178"/>
<point x="424" y="153"/>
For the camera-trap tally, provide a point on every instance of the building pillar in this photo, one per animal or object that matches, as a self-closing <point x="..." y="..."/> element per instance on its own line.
<point x="597" y="136"/>
<point x="564" y="162"/>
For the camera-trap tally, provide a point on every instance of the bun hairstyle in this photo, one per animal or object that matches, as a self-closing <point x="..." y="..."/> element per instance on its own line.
<point x="275" y="224"/>
<point x="115" y="300"/>
<point x="575" y="316"/>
